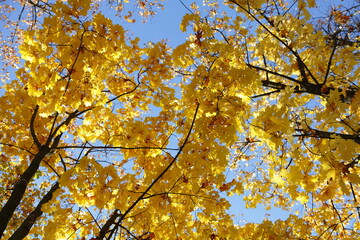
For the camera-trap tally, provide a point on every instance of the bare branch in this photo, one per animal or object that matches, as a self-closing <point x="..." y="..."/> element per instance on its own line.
<point x="19" y="189"/>
<point x="114" y="147"/>
<point x="327" y="135"/>
<point x="32" y="130"/>
<point x="51" y="130"/>
<point x="14" y="146"/>
<point x="301" y="63"/>
<point x="112" y="219"/>
<point x="27" y="224"/>
<point x="329" y="64"/>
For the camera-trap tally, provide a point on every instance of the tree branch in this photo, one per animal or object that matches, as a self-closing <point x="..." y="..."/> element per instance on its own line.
<point x="327" y="135"/>
<point x="27" y="224"/>
<point x="302" y="88"/>
<point x="329" y="63"/>
<point x="112" y="219"/>
<point x="114" y="147"/>
<point x="19" y="189"/>
<point x="32" y="129"/>
<point x="52" y="129"/>
<point x="300" y="62"/>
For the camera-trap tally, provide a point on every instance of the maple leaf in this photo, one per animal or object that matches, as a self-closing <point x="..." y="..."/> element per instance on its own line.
<point x="104" y="137"/>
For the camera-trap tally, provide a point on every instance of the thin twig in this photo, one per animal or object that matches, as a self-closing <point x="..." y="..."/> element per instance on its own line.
<point x="116" y="213"/>
<point x="111" y="147"/>
<point x="329" y="64"/>
<point x="186" y="7"/>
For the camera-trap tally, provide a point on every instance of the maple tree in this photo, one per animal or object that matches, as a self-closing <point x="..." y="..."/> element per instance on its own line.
<point x="103" y="137"/>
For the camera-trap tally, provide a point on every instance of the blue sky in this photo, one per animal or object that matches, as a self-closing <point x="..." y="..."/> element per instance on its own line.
<point x="165" y="25"/>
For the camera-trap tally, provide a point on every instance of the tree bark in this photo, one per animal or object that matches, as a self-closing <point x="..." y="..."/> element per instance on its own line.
<point x="19" y="189"/>
<point x="27" y="224"/>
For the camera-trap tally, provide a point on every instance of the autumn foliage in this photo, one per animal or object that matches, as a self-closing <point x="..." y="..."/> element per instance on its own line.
<point x="105" y="137"/>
